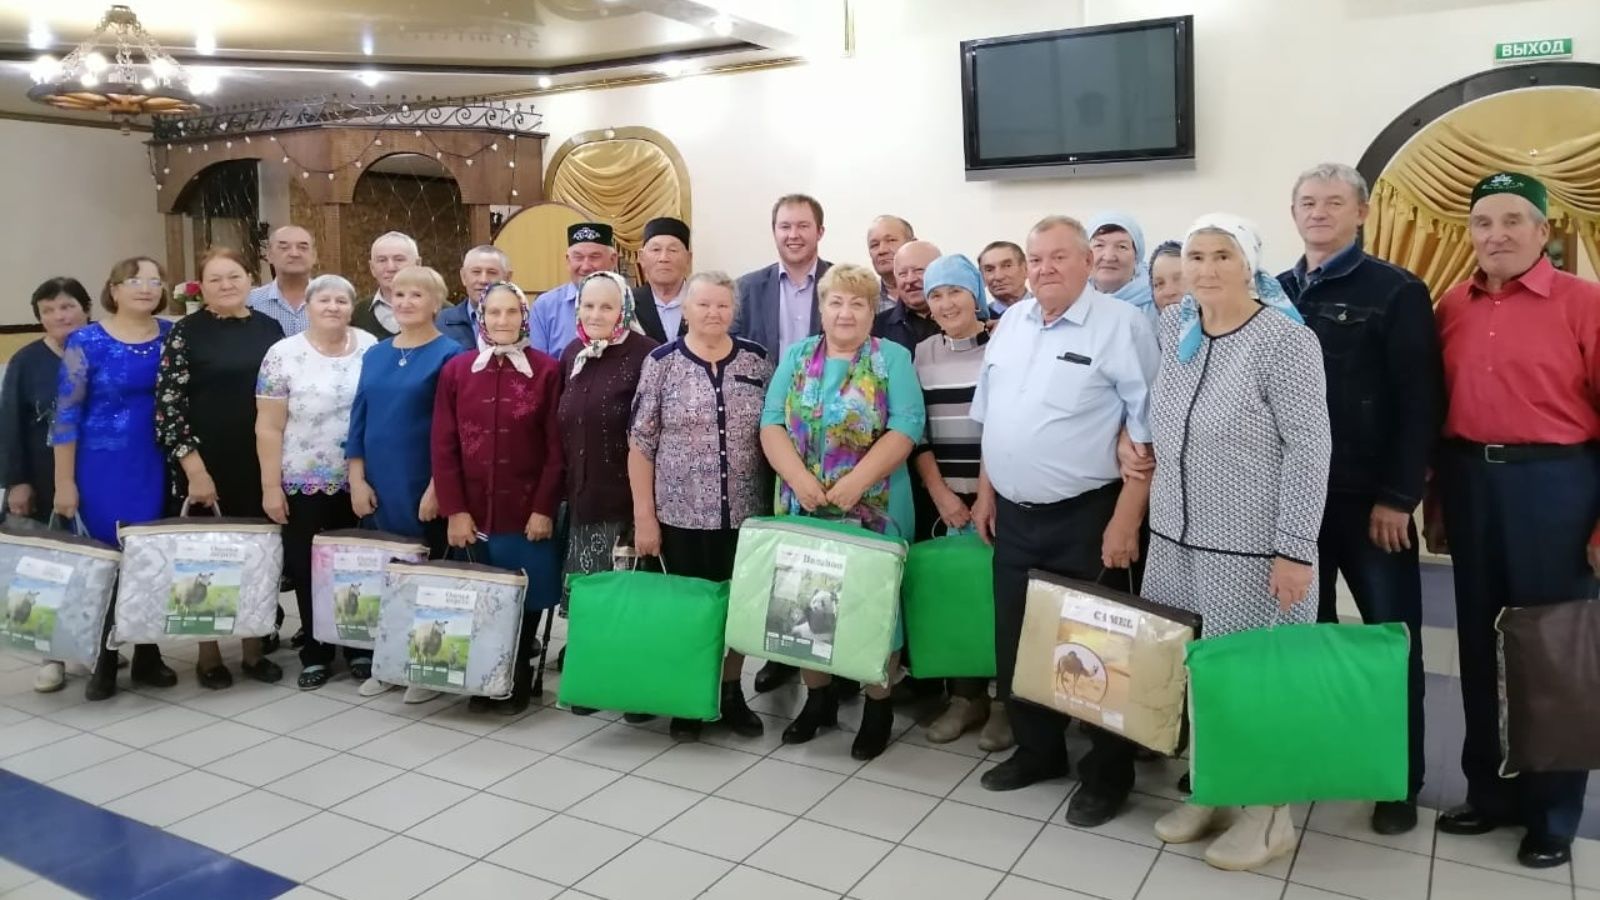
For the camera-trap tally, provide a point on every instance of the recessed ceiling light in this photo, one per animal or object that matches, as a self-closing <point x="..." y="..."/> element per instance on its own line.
<point x="366" y="43"/>
<point x="39" y="36"/>
<point x="205" y="42"/>
<point x="722" y="26"/>
<point x="545" y="82"/>
<point x="369" y="77"/>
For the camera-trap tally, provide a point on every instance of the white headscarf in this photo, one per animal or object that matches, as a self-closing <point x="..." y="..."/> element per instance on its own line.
<point x="628" y="322"/>
<point x="1265" y="287"/>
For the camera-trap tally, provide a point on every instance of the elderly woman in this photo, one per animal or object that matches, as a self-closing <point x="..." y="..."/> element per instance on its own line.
<point x="108" y="468"/>
<point x="695" y="463"/>
<point x="206" y="416"/>
<point x="1166" y="274"/>
<point x="304" y="392"/>
<point x="497" y="464"/>
<point x="1117" y="244"/>
<point x="947" y="366"/>
<point x="1241" y="432"/>
<point x="391" y="487"/>
<point x="842" y="415"/>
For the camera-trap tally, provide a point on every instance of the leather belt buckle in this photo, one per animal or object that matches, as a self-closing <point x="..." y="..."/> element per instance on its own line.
<point x="1491" y="454"/>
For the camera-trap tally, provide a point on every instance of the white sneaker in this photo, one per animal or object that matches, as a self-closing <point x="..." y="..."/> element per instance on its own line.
<point x="1187" y="823"/>
<point x="372" y="687"/>
<point x="416" y="694"/>
<point x="1260" y="835"/>
<point x="52" y="677"/>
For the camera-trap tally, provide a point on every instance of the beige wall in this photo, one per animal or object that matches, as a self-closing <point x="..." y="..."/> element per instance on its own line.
<point x="1281" y="85"/>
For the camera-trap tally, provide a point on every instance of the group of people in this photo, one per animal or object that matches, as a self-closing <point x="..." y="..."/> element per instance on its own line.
<point x="1160" y="421"/>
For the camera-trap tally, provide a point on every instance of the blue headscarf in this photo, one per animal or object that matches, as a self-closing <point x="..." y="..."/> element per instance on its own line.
<point x="1137" y="291"/>
<point x="1265" y="287"/>
<point x="955" y="270"/>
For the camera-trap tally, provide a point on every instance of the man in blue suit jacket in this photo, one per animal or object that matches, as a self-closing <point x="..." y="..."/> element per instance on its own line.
<point x="483" y="266"/>
<point x="778" y="304"/>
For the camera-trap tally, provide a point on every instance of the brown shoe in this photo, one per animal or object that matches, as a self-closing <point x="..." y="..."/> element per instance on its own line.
<point x="996" y="734"/>
<point x="960" y="717"/>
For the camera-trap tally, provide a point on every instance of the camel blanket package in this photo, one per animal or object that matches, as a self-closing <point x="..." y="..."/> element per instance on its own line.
<point x="197" y="579"/>
<point x="347" y="580"/>
<point x="57" y="589"/>
<point x="1109" y="658"/>
<point x="449" y="626"/>
<point x="816" y="594"/>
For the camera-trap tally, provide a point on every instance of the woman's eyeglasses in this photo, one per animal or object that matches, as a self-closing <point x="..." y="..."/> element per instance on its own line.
<point x="153" y="283"/>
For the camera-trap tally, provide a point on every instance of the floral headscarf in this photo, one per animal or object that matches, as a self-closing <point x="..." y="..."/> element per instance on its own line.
<point x="628" y="322"/>
<point x="512" y="351"/>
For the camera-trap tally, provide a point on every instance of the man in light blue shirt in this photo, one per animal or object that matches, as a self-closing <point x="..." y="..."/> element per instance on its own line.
<point x="293" y="255"/>
<point x="1063" y="375"/>
<point x="554" y="323"/>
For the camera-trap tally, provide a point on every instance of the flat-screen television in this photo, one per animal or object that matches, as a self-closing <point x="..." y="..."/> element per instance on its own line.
<point x="1080" y="100"/>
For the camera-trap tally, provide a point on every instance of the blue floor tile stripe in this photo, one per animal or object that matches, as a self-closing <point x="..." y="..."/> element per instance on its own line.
<point x="105" y="856"/>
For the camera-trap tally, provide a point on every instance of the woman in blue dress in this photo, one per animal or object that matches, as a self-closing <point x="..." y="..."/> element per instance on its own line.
<point x="391" y="474"/>
<point x="109" y="468"/>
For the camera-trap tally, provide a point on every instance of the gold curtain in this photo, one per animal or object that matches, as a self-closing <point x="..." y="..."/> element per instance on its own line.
<point x="624" y="182"/>
<point x="1420" y="204"/>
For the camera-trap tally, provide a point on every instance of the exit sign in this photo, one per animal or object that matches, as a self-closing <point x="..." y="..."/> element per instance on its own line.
<point x="1517" y="51"/>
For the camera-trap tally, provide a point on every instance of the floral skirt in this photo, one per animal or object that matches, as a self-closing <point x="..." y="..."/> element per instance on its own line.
<point x="588" y="551"/>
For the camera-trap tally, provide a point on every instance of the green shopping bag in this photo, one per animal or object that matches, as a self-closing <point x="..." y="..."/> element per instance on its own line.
<point x="644" y="642"/>
<point x="947" y="596"/>
<point x="1299" y="713"/>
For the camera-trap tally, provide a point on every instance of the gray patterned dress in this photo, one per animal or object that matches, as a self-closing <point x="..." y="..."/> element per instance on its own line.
<point x="1242" y="448"/>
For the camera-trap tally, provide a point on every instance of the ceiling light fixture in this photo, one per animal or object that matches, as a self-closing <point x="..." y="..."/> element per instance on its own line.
<point x="39" y="36"/>
<point x="545" y="82"/>
<point x="722" y="26"/>
<point x="369" y="77"/>
<point x="205" y="42"/>
<point x="133" y="77"/>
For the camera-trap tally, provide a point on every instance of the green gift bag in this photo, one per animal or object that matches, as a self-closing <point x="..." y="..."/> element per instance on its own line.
<point x="643" y="642"/>
<point x="1299" y="713"/>
<point x="948" y="601"/>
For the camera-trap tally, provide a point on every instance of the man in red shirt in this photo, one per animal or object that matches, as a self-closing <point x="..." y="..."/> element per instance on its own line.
<point x="1518" y="484"/>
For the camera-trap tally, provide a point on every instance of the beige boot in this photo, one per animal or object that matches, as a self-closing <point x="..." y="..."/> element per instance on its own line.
<point x="1260" y="835"/>
<point x="1188" y="823"/>
<point x="996" y="734"/>
<point x="960" y="717"/>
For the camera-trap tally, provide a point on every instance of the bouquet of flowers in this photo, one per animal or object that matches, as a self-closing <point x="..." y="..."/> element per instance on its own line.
<point x="188" y="293"/>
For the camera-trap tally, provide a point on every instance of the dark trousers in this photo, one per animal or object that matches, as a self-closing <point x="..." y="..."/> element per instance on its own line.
<point x="1387" y="588"/>
<point x="1518" y="534"/>
<point x="1063" y="538"/>
<point x="310" y="515"/>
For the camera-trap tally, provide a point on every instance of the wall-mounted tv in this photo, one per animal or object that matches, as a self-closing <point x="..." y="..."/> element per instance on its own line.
<point x="1079" y="101"/>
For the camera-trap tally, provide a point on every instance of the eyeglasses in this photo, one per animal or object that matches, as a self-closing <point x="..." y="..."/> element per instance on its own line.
<point x="153" y="283"/>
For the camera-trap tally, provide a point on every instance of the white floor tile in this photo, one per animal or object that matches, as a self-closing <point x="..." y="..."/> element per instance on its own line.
<point x="770" y="739"/>
<point x="635" y="805"/>
<point x="397" y="869"/>
<point x="563" y="850"/>
<point x="907" y="873"/>
<point x="13" y="876"/>
<point x="1040" y="801"/>
<point x="919" y="769"/>
<point x="781" y="786"/>
<point x="653" y="871"/>
<point x="334" y="780"/>
<point x="481" y="763"/>
<point x="32" y="734"/>
<point x="483" y="880"/>
<point x="1359" y="869"/>
<point x="460" y="718"/>
<point x="1353" y="821"/>
<point x="1135" y="823"/>
<point x="351" y="728"/>
<point x="745" y="883"/>
<point x="697" y="766"/>
<point x="93" y="716"/>
<point x="245" y="696"/>
<point x="156" y="726"/>
<point x="820" y="855"/>
<point x="1586" y="863"/>
<point x="1301" y="892"/>
<point x="269" y="761"/>
<point x="479" y="824"/>
<point x="829" y="750"/>
<point x="1454" y="881"/>
<point x="975" y="835"/>
<point x="242" y="821"/>
<point x="178" y="798"/>
<point x="723" y="828"/>
<point x="873" y="809"/>
<point x="413" y="745"/>
<point x="1096" y="865"/>
<point x="302" y="892"/>
<point x="1017" y="888"/>
<point x="293" y="713"/>
<point x="966" y="745"/>
<point x="549" y="730"/>
<point x="65" y="757"/>
<point x="313" y="846"/>
<point x="9" y="716"/>
<point x="25" y="700"/>
<point x="118" y="777"/>
<point x="555" y="783"/>
<point x="1496" y="850"/>
<point x="42" y="889"/>
<point x="216" y="741"/>
<point x="403" y="801"/>
<point x="394" y="703"/>
<point x="620" y="746"/>
<point x="1181" y="878"/>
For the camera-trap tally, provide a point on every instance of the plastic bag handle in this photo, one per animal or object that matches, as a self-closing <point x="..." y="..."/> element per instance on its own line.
<point x="183" y="511"/>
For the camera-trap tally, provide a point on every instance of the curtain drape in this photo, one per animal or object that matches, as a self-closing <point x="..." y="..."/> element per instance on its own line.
<point x="625" y="182"/>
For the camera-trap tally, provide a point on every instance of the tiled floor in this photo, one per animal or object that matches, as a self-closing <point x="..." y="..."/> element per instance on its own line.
<point x="375" y="799"/>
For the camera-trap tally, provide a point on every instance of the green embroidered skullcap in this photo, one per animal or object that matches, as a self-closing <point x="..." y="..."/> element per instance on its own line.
<point x="1525" y="186"/>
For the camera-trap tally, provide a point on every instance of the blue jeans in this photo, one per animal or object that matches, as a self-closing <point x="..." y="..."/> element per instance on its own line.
<point x="1387" y="588"/>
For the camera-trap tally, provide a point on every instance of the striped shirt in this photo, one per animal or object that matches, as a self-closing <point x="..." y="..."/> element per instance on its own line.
<point x="948" y="370"/>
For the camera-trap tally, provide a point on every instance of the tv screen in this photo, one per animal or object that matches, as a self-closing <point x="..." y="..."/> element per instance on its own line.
<point x="1118" y="93"/>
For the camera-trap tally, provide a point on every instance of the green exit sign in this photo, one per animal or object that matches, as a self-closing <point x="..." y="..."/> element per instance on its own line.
<point x="1518" y="51"/>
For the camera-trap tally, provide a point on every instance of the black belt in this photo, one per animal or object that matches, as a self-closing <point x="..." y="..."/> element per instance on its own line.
<point x="1520" y="453"/>
<point x="1067" y="503"/>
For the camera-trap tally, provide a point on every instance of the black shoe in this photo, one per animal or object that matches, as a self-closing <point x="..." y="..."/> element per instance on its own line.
<point x="1091" y="808"/>
<point x="1467" y="819"/>
<point x="1018" y="772"/>
<point x="684" y="729"/>
<point x="361" y="668"/>
<point x="270" y="644"/>
<point x="1185" y="786"/>
<point x="561" y="659"/>
<point x="877" y="720"/>
<point x="845" y="689"/>
<point x="736" y="713"/>
<point x="313" y="677"/>
<point x="1394" y="817"/>
<point x="637" y="718"/>
<point x="148" y="668"/>
<point x="583" y="710"/>
<point x="298" y="639"/>
<point x="263" y="670"/>
<point x="1540" y="852"/>
<point x="773" y="676"/>
<point x="103" y="682"/>
<point x="821" y="709"/>
<point x="214" y="679"/>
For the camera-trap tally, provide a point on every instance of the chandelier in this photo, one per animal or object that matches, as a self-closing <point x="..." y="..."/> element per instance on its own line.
<point x="115" y="81"/>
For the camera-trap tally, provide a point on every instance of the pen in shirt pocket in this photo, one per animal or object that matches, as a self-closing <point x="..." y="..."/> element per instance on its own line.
<point x="1078" y="358"/>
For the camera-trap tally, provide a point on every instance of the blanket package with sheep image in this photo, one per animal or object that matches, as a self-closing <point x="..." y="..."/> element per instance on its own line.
<point x="449" y="626"/>
<point x="55" y="589"/>
<point x="347" y="582"/>
<point x="198" y="579"/>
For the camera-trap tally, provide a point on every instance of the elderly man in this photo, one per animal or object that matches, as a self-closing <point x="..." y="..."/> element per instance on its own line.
<point x="293" y="255"/>
<point x="665" y="261"/>
<point x="591" y="248"/>
<point x="1518" y="484"/>
<point x="778" y="304"/>
<point x="1380" y="348"/>
<point x="1005" y="274"/>
<point x="390" y="253"/>
<point x="908" y="322"/>
<point x="1063" y="375"/>
<point x="1117" y="242"/>
<point x="483" y="266"/>
<point x="884" y="238"/>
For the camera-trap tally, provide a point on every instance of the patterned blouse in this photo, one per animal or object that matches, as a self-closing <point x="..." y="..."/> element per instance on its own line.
<point x="319" y="391"/>
<point x="701" y="425"/>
